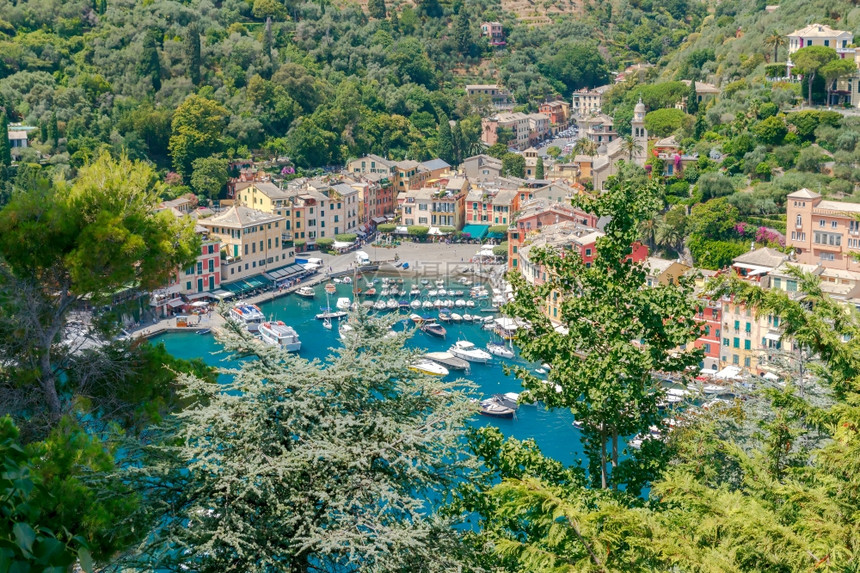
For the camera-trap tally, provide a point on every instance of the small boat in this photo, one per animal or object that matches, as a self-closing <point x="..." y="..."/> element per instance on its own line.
<point x="508" y="399"/>
<point x="345" y="330"/>
<point x="328" y="313"/>
<point x="445" y="316"/>
<point x="448" y="303"/>
<point x="276" y="333"/>
<point x="499" y="349"/>
<point x="415" y="291"/>
<point x="327" y="323"/>
<point x="434" y="329"/>
<point x="416" y="318"/>
<point x="415" y="304"/>
<point x="404" y="305"/>
<point x="714" y="389"/>
<point x="369" y="282"/>
<point x="347" y="281"/>
<point x="425" y="282"/>
<point x="379" y="305"/>
<point x="438" y="303"/>
<point x="433" y="293"/>
<point x="578" y="424"/>
<point x="391" y="304"/>
<point x="385" y="291"/>
<point x="459" y="303"/>
<point x="307" y="292"/>
<point x="330" y="288"/>
<point x="493" y="409"/>
<point x="337" y="280"/>
<point x="442" y="292"/>
<point x="204" y="331"/>
<point x="426" y="304"/>
<point x="468" y="317"/>
<point x="456" y="317"/>
<point x="439" y="283"/>
<point x="343" y="303"/>
<point x="540" y="371"/>
<point x="405" y="265"/>
<point x="448" y="360"/>
<point x="370" y="292"/>
<point x="248" y="314"/>
<point x="470" y="304"/>
<point x="429" y="367"/>
<point x="468" y="351"/>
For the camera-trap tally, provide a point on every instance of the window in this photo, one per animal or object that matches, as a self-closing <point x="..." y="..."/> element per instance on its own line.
<point x="822" y="223"/>
<point x="735" y="359"/>
<point x="833" y="224"/>
<point x="717" y="333"/>
<point x="777" y="283"/>
<point x="791" y="285"/>
<point x="747" y="361"/>
<point x="736" y="342"/>
<point x="587" y="252"/>
<point x="211" y="265"/>
<point x="747" y="345"/>
<point x="199" y="268"/>
<point x="748" y="328"/>
<point x="707" y="348"/>
<point x="828" y="257"/>
<point x="188" y="286"/>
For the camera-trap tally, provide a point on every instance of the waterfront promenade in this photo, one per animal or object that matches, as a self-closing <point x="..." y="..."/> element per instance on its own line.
<point x="425" y="259"/>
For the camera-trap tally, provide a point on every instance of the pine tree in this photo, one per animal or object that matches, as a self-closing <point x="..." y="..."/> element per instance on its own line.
<point x="297" y="467"/>
<point x="692" y="99"/>
<point x="376" y="9"/>
<point x="267" y="38"/>
<point x="193" y="51"/>
<point x="539" y="168"/>
<point x="5" y="147"/>
<point x="53" y="131"/>
<point x="445" y="141"/>
<point x="457" y="140"/>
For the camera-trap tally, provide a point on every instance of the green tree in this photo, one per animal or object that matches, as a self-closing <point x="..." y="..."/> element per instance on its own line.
<point x="514" y="165"/>
<point x="269" y="9"/>
<point x="631" y="147"/>
<point x="325" y="243"/>
<point x="61" y="245"/>
<point x="54" y="130"/>
<point x="664" y="122"/>
<point x="376" y="9"/>
<point x="713" y="184"/>
<point x="770" y="131"/>
<point x="835" y="69"/>
<point x="775" y="41"/>
<point x="196" y="131"/>
<point x="209" y="176"/>
<point x="418" y="231"/>
<point x="672" y="229"/>
<point x="386" y="227"/>
<point x="150" y="66"/>
<point x="714" y="219"/>
<point x="692" y="99"/>
<point x="553" y="151"/>
<point x="585" y="146"/>
<point x="5" y="148"/>
<point x="309" y="144"/>
<point x="192" y="46"/>
<point x="809" y="60"/>
<point x="345" y="474"/>
<point x="445" y="141"/>
<point x="463" y="33"/>
<point x="617" y="334"/>
<point x="539" y="168"/>
<point x="576" y="65"/>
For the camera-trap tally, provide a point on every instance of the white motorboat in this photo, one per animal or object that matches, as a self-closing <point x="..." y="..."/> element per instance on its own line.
<point x="276" y="333"/>
<point x="438" y="303"/>
<point x="337" y="280"/>
<point x="379" y="305"/>
<point x="468" y="317"/>
<point x="307" y="292"/>
<point x="449" y="303"/>
<point x="468" y="351"/>
<point x="385" y="292"/>
<point x="429" y="367"/>
<point x="470" y="304"/>
<point x="427" y="304"/>
<point x="442" y="292"/>
<point x="347" y="281"/>
<point x="508" y="399"/>
<point x="439" y="283"/>
<point x="327" y="313"/>
<point x="345" y="330"/>
<point x="499" y="349"/>
<point x="392" y="304"/>
<point x="415" y="291"/>
<point x="495" y="409"/>
<point x="415" y="304"/>
<point x="459" y="303"/>
<point x="248" y="314"/>
<point x="343" y="303"/>
<point x="433" y="293"/>
<point x="714" y="389"/>
<point x="456" y="317"/>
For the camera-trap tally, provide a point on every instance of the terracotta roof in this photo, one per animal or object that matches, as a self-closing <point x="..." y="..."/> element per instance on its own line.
<point x="804" y="194"/>
<point x="764" y="257"/>
<point x="239" y="217"/>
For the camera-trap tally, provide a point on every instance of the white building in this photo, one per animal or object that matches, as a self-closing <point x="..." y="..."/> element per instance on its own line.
<point x="821" y="35"/>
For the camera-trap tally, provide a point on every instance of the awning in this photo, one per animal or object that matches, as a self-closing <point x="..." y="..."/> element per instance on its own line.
<point x="342" y="245"/>
<point x="770" y="376"/>
<point x="199" y="295"/>
<point x="772" y="337"/>
<point x="401" y="231"/>
<point x="379" y="220"/>
<point x="222" y="294"/>
<point x="286" y="272"/>
<point x="476" y="231"/>
<point x="176" y="303"/>
<point x="199" y="304"/>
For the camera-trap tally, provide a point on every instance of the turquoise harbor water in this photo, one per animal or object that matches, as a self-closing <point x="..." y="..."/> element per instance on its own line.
<point x="552" y="430"/>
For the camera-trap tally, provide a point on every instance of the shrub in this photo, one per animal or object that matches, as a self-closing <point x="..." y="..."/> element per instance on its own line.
<point x="500" y="229"/>
<point x="418" y="231"/>
<point x="346" y="237"/>
<point x="386" y="227"/>
<point x="325" y="243"/>
<point x="501" y="250"/>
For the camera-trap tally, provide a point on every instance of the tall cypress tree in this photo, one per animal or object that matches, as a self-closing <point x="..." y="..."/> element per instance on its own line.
<point x="692" y="99"/>
<point x="445" y="141"/>
<point x="193" y="50"/>
<point x="376" y="9"/>
<point x="539" y="168"/>
<point x="149" y="63"/>
<point x="53" y="131"/>
<point x="5" y="149"/>
<point x="463" y="33"/>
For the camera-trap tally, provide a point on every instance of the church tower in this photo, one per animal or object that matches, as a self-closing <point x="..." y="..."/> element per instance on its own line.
<point x="640" y="134"/>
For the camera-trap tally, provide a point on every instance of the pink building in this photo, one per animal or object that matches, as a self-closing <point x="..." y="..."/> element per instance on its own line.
<point x="494" y="32"/>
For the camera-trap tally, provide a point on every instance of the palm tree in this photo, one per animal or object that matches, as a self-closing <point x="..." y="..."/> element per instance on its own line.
<point x="648" y="232"/>
<point x="775" y="40"/>
<point x="631" y="146"/>
<point x="585" y="146"/>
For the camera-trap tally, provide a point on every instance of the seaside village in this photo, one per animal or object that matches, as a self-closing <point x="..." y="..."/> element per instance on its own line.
<point x="265" y="236"/>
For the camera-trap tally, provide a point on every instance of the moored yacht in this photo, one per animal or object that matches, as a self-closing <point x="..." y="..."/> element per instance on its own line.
<point x="468" y="351"/>
<point x="276" y="333"/>
<point x="306" y="291"/>
<point x="248" y="314"/>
